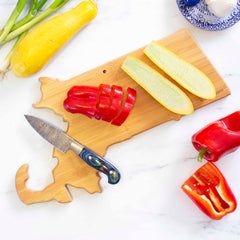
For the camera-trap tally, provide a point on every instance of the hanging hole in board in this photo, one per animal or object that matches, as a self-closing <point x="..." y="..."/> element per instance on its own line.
<point x="104" y="71"/>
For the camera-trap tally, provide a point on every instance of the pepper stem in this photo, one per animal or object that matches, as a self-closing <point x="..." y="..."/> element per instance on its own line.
<point x="201" y="153"/>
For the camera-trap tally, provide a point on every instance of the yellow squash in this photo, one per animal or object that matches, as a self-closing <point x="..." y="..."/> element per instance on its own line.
<point x="44" y="41"/>
<point x="165" y="92"/>
<point x="181" y="71"/>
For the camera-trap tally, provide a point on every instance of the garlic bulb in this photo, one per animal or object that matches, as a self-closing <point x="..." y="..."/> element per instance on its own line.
<point x="221" y="8"/>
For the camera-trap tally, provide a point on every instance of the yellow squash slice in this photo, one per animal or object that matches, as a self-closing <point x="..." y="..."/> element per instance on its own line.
<point x="165" y="92"/>
<point x="181" y="71"/>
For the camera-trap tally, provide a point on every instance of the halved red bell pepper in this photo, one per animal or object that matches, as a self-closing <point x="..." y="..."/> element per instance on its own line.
<point x="115" y="103"/>
<point x="88" y="92"/>
<point x="126" y="108"/>
<point x="209" y="190"/>
<point x="218" y="138"/>
<point x="78" y="105"/>
<point x="103" y="101"/>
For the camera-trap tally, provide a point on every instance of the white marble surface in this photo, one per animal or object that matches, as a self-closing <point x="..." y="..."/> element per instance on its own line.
<point x="148" y="202"/>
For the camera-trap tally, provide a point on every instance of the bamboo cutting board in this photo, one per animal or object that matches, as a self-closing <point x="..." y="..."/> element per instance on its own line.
<point x="98" y="135"/>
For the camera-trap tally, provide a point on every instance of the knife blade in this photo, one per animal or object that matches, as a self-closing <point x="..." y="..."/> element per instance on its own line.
<point x="63" y="142"/>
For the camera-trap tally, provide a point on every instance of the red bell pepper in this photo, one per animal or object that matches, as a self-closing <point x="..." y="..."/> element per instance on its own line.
<point x="209" y="190"/>
<point x="82" y="99"/>
<point x="218" y="138"/>
<point x="126" y="108"/>
<point x="88" y="92"/>
<point x="78" y="105"/>
<point x="115" y="103"/>
<point x="103" y="101"/>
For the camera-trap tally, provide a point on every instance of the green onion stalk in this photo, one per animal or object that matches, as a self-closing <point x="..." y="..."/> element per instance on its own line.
<point x="12" y="19"/>
<point x="56" y="5"/>
<point x="12" y="30"/>
<point x="34" y="9"/>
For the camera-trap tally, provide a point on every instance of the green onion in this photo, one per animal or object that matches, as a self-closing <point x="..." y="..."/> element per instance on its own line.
<point x="57" y="4"/>
<point x="12" y="19"/>
<point x="35" y="7"/>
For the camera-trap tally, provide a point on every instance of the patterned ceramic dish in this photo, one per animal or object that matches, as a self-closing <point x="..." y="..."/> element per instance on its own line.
<point x="201" y="17"/>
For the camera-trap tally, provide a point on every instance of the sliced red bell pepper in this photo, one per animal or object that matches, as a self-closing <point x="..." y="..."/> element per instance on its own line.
<point x="218" y="138"/>
<point x="126" y="108"/>
<point x="115" y="103"/>
<point x="209" y="190"/>
<point x="103" y="101"/>
<point x="88" y="92"/>
<point x="78" y="105"/>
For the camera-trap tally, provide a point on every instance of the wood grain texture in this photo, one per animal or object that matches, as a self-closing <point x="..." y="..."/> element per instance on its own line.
<point x="98" y="135"/>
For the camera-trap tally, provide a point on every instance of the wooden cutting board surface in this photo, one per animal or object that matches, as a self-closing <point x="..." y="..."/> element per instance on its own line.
<point x="98" y="135"/>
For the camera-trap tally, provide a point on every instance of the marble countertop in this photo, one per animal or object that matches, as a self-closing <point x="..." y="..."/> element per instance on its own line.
<point x="148" y="203"/>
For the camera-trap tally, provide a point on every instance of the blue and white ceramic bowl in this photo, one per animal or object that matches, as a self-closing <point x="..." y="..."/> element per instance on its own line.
<point x="201" y="17"/>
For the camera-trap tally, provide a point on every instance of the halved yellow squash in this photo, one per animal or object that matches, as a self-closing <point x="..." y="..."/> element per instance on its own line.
<point x="165" y="92"/>
<point x="188" y="76"/>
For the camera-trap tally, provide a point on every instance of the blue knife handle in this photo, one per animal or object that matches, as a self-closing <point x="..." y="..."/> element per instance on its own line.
<point x="97" y="162"/>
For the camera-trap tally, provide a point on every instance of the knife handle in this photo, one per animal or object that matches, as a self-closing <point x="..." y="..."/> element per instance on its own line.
<point x="99" y="163"/>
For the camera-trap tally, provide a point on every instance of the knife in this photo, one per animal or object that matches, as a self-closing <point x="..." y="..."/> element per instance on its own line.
<point x="63" y="142"/>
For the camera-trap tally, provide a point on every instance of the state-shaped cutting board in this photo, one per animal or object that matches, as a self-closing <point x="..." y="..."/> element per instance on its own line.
<point x="98" y="135"/>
